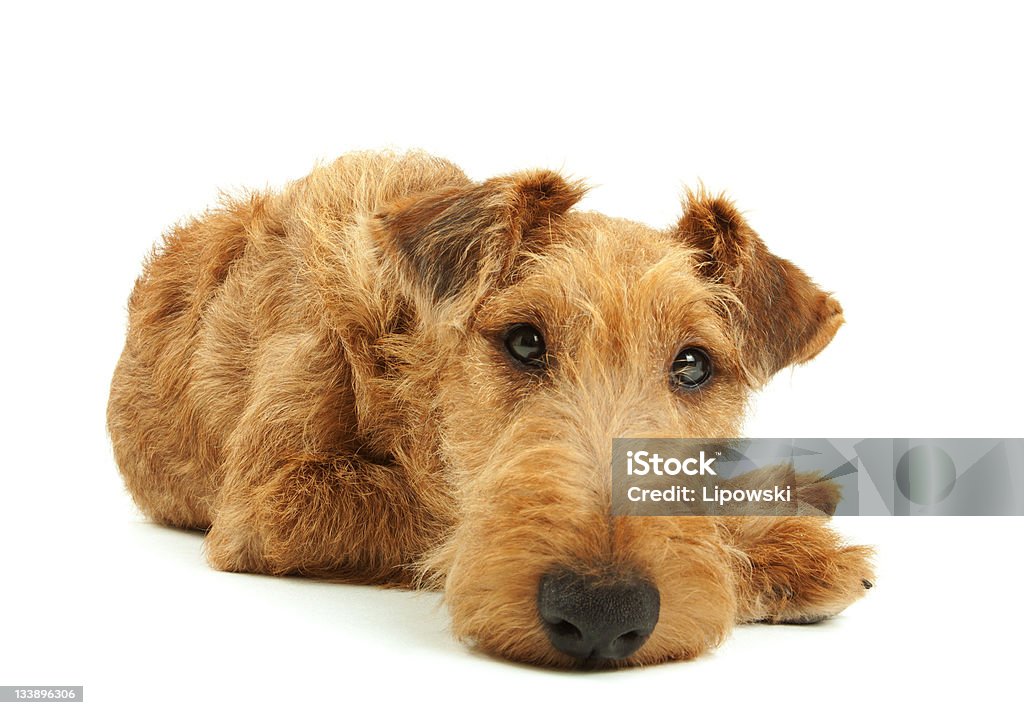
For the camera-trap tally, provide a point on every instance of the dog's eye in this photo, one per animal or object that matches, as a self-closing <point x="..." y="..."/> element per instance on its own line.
<point x="690" y="369"/>
<point x="526" y="345"/>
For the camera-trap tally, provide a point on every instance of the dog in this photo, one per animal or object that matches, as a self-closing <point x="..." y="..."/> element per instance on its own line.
<point x="387" y="373"/>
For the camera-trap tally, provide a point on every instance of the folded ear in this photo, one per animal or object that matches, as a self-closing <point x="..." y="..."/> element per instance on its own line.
<point x="453" y="244"/>
<point x="784" y="318"/>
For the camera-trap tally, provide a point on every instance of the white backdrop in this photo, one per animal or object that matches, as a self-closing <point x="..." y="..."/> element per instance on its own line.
<point x="877" y="146"/>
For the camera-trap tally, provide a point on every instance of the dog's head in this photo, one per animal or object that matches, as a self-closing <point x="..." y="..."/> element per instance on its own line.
<point x="553" y="331"/>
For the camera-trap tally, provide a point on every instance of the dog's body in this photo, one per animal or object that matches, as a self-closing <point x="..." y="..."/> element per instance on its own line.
<point x="387" y="372"/>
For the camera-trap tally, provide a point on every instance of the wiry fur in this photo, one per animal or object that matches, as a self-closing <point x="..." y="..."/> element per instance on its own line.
<point x="316" y="376"/>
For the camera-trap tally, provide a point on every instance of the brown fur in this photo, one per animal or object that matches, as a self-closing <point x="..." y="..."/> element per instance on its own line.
<point x="316" y="377"/>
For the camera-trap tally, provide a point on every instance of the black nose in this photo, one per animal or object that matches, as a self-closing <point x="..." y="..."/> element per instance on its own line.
<point x="586" y="617"/>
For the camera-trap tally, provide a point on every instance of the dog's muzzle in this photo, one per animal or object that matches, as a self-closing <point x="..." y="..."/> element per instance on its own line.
<point x="591" y="619"/>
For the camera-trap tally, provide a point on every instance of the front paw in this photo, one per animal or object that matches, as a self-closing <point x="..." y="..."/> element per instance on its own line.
<point x="820" y="494"/>
<point x="813" y="495"/>
<point x="822" y="588"/>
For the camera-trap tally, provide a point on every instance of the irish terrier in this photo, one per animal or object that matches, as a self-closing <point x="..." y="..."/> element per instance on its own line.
<point x="387" y="373"/>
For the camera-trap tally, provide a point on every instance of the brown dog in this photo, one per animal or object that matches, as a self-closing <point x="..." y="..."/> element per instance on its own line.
<point x="387" y="373"/>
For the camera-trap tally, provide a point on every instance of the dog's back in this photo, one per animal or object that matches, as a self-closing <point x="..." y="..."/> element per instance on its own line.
<point x="202" y="309"/>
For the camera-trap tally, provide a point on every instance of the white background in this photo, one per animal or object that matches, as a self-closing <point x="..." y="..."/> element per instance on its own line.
<point x="879" y="147"/>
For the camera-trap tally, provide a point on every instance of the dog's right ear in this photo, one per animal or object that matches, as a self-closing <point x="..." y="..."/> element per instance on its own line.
<point x="452" y="245"/>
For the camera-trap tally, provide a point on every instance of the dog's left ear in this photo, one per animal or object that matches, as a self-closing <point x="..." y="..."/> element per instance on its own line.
<point x="784" y="318"/>
<point x="454" y="244"/>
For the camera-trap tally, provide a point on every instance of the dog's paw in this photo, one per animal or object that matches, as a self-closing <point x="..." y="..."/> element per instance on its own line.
<point x="824" y="588"/>
<point x="230" y="549"/>
<point x="812" y="494"/>
<point x="820" y="494"/>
